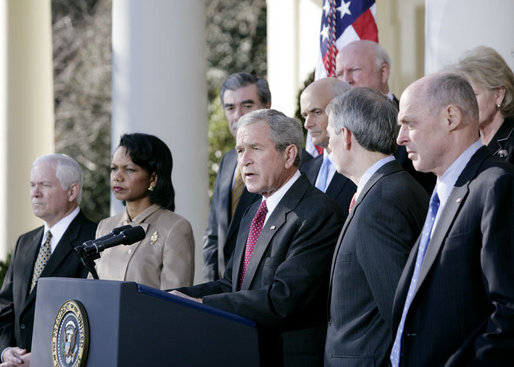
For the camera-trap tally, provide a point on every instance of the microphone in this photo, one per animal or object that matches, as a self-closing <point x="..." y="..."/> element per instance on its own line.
<point x="124" y="237"/>
<point x="114" y="232"/>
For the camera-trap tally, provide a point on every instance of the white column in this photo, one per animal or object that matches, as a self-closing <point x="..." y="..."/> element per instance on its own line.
<point x="455" y="26"/>
<point x="159" y="88"/>
<point x="293" y="28"/>
<point x="26" y="109"/>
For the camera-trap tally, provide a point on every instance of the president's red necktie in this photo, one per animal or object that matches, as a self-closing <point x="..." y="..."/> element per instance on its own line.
<point x="253" y="236"/>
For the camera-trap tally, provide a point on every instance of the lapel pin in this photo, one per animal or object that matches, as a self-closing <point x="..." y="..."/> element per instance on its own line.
<point x="503" y="153"/>
<point x="154" y="238"/>
<point x="458" y="200"/>
<point x="273" y="227"/>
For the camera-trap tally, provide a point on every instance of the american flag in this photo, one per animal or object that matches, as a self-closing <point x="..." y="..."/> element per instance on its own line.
<point x="341" y="23"/>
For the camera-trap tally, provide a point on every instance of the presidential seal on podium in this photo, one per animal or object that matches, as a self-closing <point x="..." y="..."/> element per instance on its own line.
<point x="70" y="336"/>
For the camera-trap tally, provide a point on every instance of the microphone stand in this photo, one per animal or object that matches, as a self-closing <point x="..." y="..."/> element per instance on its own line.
<point x="88" y="259"/>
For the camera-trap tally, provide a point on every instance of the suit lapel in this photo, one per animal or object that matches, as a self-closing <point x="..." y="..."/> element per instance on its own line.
<point x="30" y="256"/>
<point x="336" y="185"/>
<point x="446" y="219"/>
<point x="385" y="170"/>
<point x="64" y="247"/>
<point x="226" y="180"/>
<point x="450" y="211"/>
<point x="244" y="230"/>
<point x="312" y="168"/>
<point x="272" y="226"/>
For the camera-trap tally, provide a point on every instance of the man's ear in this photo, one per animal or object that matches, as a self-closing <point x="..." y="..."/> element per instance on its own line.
<point x="73" y="192"/>
<point x="453" y="117"/>
<point x="384" y="73"/>
<point x="347" y="138"/>
<point x="291" y="152"/>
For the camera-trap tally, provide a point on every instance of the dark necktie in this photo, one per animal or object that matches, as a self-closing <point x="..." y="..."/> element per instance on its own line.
<point x="423" y="244"/>
<point x="237" y="190"/>
<point x="253" y="236"/>
<point x="42" y="258"/>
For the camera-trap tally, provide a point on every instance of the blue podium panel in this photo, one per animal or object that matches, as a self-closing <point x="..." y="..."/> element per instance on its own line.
<point x="135" y="325"/>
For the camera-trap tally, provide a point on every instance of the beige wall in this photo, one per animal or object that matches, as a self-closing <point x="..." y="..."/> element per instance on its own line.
<point x="401" y="30"/>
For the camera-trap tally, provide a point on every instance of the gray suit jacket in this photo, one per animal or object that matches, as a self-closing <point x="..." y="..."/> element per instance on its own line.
<point x="372" y="249"/>
<point x="462" y="313"/>
<point x="285" y="288"/>
<point x="17" y="305"/>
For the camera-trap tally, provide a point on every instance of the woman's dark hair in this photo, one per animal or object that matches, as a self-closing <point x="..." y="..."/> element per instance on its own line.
<point x="153" y="155"/>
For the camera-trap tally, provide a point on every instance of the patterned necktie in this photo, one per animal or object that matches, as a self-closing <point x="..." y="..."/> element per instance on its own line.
<point x="352" y="203"/>
<point x="253" y="236"/>
<point x="322" y="181"/>
<point x="42" y="258"/>
<point x="237" y="190"/>
<point x="423" y="244"/>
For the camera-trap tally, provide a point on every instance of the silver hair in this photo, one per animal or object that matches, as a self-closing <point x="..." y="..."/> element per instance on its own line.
<point x="284" y="130"/>
<point x="451" y="88"/>
<point x="67" y="170"/>
<point x="369" y="115"/>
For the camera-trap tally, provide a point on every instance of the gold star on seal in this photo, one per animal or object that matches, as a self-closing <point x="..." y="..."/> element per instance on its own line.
<point x="154" y="238"/>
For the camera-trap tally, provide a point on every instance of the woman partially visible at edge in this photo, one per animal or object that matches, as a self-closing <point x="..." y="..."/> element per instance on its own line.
<point x="141" y="177"/>
<point x="493" y="82"/>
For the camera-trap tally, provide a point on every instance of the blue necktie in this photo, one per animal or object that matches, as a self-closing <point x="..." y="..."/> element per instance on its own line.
<point x="423" y="244"/>
<point x="323" y="174"/>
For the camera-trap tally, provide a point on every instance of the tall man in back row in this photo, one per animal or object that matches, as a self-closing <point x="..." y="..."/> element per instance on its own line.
<point x="47" y="251"/>
<point x="278" y="275"/>
<point x="240" y="93"/>
<point x="454" y="305"/>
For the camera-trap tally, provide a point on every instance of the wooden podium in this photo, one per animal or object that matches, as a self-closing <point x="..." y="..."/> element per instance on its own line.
<point x="134" y="325"/>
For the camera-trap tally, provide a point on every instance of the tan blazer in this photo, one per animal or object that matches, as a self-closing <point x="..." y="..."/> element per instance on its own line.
<point x="164" y="259"/>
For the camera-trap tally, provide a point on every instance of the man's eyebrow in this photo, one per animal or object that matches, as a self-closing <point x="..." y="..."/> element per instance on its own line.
<point x="248" y="101"/>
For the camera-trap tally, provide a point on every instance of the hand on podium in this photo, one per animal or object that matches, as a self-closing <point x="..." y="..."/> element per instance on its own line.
<point x="183" y="295"/>
<point x="15" y="356"/>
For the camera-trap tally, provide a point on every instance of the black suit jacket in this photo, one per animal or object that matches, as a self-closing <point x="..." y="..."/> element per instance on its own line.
<point x="340" y="188"/>
<point x="462" y="313"/>
<point x="17" y="305"/>
<point x="368" y="260"/>
<point x="285" y="288"/>
<point x="219" y="240"/>
<point x="502" y="144"/>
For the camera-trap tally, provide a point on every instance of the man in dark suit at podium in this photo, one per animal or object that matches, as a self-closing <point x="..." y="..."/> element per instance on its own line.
<point x="278" y="275"/>
<point x="47" y="251"/>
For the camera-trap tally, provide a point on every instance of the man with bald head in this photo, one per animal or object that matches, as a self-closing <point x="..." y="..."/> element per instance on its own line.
<point x="321" y="170"/>
<point x="454" y="304"/>
<point x="365" y="63"/>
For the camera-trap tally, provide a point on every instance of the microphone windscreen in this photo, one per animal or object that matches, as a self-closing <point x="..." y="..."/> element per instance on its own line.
<point x="133" y="234"/>
<point x="118" y="230"/>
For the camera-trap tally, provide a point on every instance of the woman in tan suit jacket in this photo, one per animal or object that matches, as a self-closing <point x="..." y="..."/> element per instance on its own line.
<point x="141" y="177"/>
